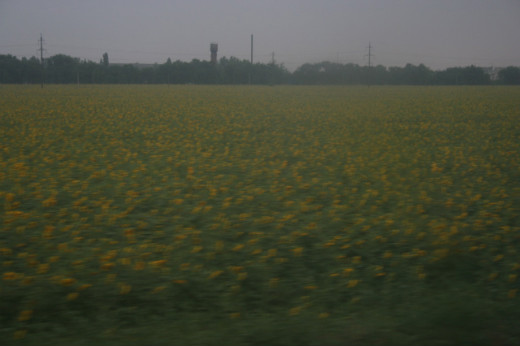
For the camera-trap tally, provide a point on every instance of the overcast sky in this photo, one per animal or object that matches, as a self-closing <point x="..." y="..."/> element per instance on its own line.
<point x="438" y="33"/>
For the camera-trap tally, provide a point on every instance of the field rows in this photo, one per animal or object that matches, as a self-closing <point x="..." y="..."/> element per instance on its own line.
<point x="305" y="203"/>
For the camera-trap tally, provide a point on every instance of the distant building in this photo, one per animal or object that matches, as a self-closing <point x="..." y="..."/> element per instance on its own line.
<point x="137" y="65"/>
<point x="492" y="72"/>
<point x="213" y="47"/>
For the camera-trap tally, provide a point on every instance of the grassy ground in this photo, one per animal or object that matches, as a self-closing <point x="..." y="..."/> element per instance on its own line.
<point x="197" y="215"/>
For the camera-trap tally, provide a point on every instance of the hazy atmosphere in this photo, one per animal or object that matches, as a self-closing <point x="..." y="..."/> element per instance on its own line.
<point x="439" y="34"/>
<point x="357" y="184"/>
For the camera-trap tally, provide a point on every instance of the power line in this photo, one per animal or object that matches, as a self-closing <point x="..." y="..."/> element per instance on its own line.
<point x="16" y="45"/>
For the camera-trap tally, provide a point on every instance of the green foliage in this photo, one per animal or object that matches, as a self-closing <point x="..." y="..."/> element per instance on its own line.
<point x="510" y="75"/>
<point x="105" y="61"/>
<point x="63" y="69"/>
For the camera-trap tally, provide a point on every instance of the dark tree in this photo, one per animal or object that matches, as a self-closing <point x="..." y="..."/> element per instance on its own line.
<point x="509" y="75"/>
<point x="10" y="69"/>
<point x="61" y="68"/>
<point x="105" y="59"/>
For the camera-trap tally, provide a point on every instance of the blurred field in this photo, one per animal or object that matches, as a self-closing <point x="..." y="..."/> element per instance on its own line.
<point x="259" y="215"/>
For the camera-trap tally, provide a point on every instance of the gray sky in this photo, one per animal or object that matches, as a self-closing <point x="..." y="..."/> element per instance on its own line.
<point x="438" y="33"/>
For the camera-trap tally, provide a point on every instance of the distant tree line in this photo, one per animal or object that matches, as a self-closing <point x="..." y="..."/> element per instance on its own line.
<point x="61" y="69"/>
<point x="334" y="73"/>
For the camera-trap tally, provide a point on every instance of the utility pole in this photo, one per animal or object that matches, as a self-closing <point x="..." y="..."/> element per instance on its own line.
<point x="41" y="58"/>
<point x="272" y="58"/>
<point x="251" y="68"/>
<point x="370" y="55"/>
<point x="251" y="49"/>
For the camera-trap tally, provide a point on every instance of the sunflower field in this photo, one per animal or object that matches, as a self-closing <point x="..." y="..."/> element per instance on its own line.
<point x="248" y="215"/>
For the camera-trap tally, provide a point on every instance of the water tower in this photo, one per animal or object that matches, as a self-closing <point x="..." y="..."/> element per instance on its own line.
<point x="213" y="47"/>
